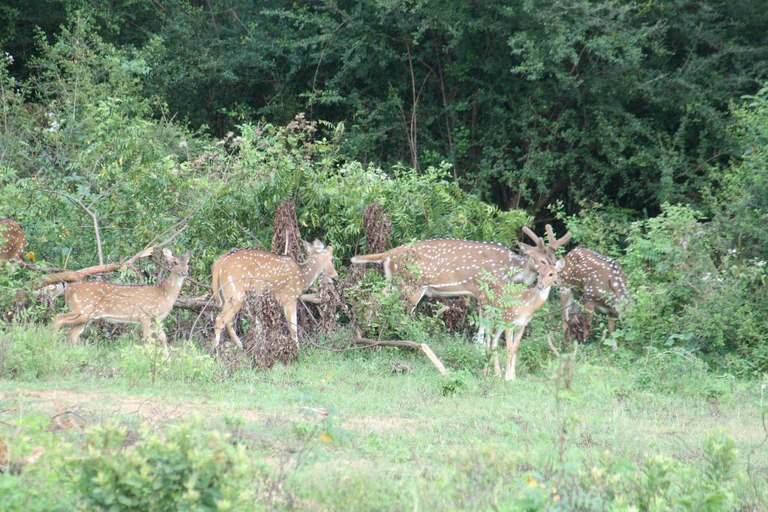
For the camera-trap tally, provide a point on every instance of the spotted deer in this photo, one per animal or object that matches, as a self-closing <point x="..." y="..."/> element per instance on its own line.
<point x="516" y="316"/>
<point x="241" y="271"/>
<point x="117" y="303"/>
<point x="447" y="267"/>
<point x="12" y="241"/>
<point x="598" y="280"/>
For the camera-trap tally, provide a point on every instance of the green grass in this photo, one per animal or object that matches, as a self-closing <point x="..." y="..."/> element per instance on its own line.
<point x="382" y="430"/>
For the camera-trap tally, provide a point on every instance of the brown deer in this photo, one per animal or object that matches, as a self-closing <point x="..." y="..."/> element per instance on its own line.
<point x="12" y="241"/>
<point x="598" y="280"/>
<point x="241" y="271"/>
<point x="98" y="300"/>
<point x="518" y="315"/>
<point x="447" y="267"/>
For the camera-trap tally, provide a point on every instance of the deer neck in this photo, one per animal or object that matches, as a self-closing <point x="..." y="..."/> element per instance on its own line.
<point x="535" y="297"/>
<point x="172" y="286"/>
<point x="566" y="274"/>
<point x="308" y="272"/>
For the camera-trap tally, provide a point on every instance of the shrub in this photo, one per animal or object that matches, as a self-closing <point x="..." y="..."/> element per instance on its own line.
<point x="190" y="468"/>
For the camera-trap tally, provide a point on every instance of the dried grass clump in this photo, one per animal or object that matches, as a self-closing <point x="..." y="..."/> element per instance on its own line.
<point x="327" y="310"/>
<point x="377" y="228"/>
<point x="286" y="237"/>
<point x="269" y="339"/>
<point x="579" y="327"/>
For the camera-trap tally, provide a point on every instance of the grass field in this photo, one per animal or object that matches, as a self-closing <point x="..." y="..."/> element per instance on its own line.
<point x="379" y="430"/>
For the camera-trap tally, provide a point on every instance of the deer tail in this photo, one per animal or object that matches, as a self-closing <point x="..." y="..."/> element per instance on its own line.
<point x="371" y="258"/>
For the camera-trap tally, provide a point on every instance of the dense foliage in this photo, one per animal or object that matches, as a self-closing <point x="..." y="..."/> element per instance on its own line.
<point x="527" y="101"/>
<point x="85" y="151"/>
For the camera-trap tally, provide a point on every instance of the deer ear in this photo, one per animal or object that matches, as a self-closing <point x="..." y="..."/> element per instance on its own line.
<point x="318" y="245"/>
<point x="560" y="265"/>
<point x="188" y="255"/>
<point x="307" y="246"/>
<point x="525" y="247"/>
<point x="167" y="254"/>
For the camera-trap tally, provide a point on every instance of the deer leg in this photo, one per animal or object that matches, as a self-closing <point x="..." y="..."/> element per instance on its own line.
<point x="164" y="340"/>
<point x="612" y="329"/>
<point x="566" y="300"/>
<point x="480" y="339"/>
<point x="61" y="319"/>
<point x="225" y="319"/>
<point x="75" y="331"/>
<point x="77" y="321"/>
<point x="146" y="329"/>
<point x="218" y="327"/>
<point x="289" y="309"/>
<point x="494" y="343"/>
<point x="513" y="343"/>
<point x="413" y="299"/>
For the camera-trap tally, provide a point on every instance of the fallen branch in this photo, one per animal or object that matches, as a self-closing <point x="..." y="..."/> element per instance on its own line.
<point x="409" y="344"/>
<point x="70" y="276"/>
<point x="195" y="303"/>
<point x="552" y="345"/>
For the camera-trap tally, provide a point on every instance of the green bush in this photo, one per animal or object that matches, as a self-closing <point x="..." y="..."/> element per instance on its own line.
<point x="36" y="352"/>
<point x="687" y="295"/>
<point x="191" y="468"/>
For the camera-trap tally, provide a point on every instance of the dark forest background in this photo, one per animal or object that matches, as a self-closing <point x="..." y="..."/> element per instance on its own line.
<point x="530" y="102"/>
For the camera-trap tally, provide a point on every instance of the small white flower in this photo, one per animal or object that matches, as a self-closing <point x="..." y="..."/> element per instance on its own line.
<point x="183" y="144"/>
<point x="54" y="127"/>
<point x="706" y="276"/>
<point x="761" y="263"/>
<point x="9" y="57"/>
<point x="733" y="251"/>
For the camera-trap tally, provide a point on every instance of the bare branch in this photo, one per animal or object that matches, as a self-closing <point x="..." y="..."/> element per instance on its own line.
<point x="92" y="215"/>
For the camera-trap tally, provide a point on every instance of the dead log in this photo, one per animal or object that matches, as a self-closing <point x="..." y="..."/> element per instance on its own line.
<point x="408" y="344"/>
<point x="71" y="276"/>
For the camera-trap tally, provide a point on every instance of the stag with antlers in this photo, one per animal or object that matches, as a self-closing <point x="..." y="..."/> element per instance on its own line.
<point x="450" y="268"/>
<point x="242" y="271"/>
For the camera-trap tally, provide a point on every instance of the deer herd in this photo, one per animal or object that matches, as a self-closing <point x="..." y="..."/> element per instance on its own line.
<point x="491" y="273"/>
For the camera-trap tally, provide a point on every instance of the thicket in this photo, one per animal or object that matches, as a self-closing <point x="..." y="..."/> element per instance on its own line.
<point x="82" y="144"/>
<point x="528" y="101"/>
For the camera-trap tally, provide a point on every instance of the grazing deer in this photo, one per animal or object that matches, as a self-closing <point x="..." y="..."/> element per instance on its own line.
<point x="241" y="271"/>
<point x="447" y="267"/>
<point x="144" y="304"/>
<point x="525" y="303"/>
<point x="12" y="241"/>
<point x="597" y="279"/>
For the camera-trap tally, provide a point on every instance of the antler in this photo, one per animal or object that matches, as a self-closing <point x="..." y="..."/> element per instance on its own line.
<point x="553" y="242"/>
<point x="538" y="241"/>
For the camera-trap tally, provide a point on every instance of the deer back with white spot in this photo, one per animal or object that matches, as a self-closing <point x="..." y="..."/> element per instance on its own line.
<point x="447" y="267"/>
<point x="142" y="304"/>
<point x="598" y="279"/>
<point x="12" y="240"/>
<point x="243" y="271"/>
